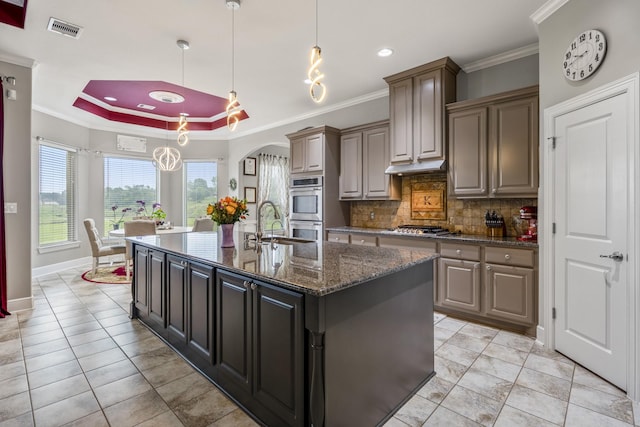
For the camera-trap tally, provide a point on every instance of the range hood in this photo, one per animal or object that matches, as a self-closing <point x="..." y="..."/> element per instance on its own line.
<point x="419" y="167"/>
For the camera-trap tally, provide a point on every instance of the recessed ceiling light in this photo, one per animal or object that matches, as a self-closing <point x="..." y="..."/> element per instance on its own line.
<point x="110" y="98"/>
<point x="385" y="51"/>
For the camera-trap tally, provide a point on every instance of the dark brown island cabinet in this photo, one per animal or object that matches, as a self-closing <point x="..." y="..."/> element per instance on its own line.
<point x="345" y="342"/>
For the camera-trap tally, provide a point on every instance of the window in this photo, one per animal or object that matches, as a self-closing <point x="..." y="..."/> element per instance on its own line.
<point x="201" y="188"/>
<point x="127" y="180"/>
<point x="57" y="195"/>
<point x="273" y="185"/>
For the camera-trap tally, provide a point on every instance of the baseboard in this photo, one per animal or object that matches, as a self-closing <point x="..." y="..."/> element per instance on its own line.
<point x="540" y="334"/>
<point x="19" y="304"/>
<point x="54" y="268"/>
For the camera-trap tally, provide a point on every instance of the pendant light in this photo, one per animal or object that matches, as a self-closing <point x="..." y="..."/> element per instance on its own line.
<point x="183" y="130"/>
<point x="233" y="106"/>
<point x="317" y="89"/>
<point x="167" y="159"/>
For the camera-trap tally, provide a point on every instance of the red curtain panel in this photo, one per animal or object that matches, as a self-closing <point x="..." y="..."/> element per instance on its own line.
<point x="3" y="254"/>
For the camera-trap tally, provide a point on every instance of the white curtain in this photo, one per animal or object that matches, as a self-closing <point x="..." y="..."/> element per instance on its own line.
<point x="273" y="185"/>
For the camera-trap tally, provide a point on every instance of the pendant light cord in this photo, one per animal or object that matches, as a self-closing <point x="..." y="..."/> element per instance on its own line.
<point x="233" y="48"/>
<point x="316" y="22"/>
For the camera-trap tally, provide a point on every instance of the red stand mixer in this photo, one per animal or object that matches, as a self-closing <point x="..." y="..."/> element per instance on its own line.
<point x="529" y="216"/>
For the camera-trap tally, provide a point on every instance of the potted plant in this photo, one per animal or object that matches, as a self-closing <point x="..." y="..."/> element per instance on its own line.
<point x="226" y="212"/>
<point x="116" y="222"/>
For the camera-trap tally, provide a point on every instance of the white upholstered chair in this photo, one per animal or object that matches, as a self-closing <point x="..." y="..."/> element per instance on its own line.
<point x="137" y="227"/>
<point x="203" y="224"/>
<point x="98" y="248"/>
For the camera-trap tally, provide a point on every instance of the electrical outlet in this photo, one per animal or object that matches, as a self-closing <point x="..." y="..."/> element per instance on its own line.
<point x="372" y="215"/>
<point x="10" y="207"/>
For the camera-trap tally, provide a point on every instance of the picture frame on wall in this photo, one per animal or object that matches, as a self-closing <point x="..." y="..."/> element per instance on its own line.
<point x="250" y="194"/>
<point x="249" y="166"/>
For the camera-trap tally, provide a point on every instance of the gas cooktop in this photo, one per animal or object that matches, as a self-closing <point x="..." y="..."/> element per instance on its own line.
<point x="427" y="230"/>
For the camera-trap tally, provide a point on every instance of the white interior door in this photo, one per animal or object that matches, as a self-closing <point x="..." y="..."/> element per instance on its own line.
<point x="591" y="208"/>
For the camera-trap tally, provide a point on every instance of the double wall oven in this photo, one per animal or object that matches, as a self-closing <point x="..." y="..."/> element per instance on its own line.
<point x="305" y="202"/>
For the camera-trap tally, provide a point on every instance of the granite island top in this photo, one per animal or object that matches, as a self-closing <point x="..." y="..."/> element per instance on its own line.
<point x="317" y="268"/>
<point x="454" y="238"/>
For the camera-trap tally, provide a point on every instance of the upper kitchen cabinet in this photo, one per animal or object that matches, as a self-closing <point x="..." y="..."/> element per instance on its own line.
<point x="493" y="145"/>
<point x="364" y="156"/>
<point x="310" y="147"/>
<point x="417" y="99"/>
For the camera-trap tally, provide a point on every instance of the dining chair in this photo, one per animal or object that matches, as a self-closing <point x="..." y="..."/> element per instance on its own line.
<point x="98" y="248"/>
<point x="137" y="227"/>
<point x="203" y="224"/>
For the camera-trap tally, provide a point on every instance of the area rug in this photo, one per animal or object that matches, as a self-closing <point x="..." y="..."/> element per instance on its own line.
<point x="111" y="274"/>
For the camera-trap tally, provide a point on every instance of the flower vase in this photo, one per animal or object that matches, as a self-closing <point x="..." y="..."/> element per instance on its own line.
<point x="116" y="226"/>
<point x="227" y="236"/>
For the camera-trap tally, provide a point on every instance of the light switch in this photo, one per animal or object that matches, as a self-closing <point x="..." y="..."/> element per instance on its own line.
<point x="10" y="208"/>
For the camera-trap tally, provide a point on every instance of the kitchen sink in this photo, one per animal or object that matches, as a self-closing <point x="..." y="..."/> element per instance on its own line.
<point x="281" y="240"/>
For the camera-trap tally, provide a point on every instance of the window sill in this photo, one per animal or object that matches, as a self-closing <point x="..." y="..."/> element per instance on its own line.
<point x="57" y="248"/>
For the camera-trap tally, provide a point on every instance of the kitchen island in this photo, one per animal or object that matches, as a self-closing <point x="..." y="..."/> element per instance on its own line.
<point x="303" y="334"/>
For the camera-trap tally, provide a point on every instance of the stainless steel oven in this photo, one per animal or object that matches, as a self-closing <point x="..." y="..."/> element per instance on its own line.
<point x="305" y="199"/>
<point x="309" y="230"/>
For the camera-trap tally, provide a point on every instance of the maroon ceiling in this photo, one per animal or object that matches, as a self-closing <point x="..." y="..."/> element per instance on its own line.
<point x="204" y="110"/>
<point x="13" y="14"/>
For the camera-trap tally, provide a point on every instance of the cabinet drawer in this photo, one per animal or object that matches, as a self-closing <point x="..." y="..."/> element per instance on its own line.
<point x="364" y="240"/>
<point x="337" y="237"/>
<point x="407" y="243"/>
<point x="510" y="256"/>
<point x="457" y="251"/>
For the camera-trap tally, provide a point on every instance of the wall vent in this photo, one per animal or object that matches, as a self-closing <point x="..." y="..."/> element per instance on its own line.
<point x="131" y="143"/>
<point x="64" y="28"/>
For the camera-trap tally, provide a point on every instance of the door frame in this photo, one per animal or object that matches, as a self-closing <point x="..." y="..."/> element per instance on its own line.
<point x="628" y="85"/>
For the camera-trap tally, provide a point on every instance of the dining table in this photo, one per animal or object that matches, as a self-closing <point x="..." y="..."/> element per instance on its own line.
<point x="119" y="233"/>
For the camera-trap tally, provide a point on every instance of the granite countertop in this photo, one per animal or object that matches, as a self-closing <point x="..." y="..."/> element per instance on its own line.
<point x="459" y="238"/>
<point x="317" y="268"/>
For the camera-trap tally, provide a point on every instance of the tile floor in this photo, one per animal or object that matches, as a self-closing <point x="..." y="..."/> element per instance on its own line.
<point x="78" y="360"/>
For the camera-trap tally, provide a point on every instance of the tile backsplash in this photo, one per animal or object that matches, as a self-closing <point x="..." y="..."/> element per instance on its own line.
<point x="466" y="216"/>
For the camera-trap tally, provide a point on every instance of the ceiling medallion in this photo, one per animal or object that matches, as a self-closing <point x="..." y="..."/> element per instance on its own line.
<point x="166" y="97"/>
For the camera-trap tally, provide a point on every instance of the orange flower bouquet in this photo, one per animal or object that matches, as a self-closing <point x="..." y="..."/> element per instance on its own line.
<point x="228" y="210"/>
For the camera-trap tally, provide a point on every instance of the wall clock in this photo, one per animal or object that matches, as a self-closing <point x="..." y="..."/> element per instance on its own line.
<point x="584" y="55"/>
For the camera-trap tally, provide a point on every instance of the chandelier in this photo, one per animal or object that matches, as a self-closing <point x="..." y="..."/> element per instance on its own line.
<point x="167" y="159"/>
<point x="183" y="130"/>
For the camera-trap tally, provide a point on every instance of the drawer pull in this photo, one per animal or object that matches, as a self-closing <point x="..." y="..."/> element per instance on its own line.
<point x="488" y="268"/>
<point x="507" y="257"/>
<point x="253" y="286"/>
<point x="458" y="252"/>
<point x="246" y="284"/>
<point x="361" y="240"/>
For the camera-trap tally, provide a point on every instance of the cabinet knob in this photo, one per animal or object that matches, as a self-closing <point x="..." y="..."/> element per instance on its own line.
<point x="476" y="265"/>
<point x="507" y="257"/>
<point x="458" y="251"/>
<point x="488" y="267"/>
<point x="253" y="286"/>
<point x="361" y="240"/>
<point x="246" y="284"/>
<point x="494" y="191"/>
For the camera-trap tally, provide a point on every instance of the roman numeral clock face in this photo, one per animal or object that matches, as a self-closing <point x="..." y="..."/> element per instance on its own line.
<point x="584" y="55"/>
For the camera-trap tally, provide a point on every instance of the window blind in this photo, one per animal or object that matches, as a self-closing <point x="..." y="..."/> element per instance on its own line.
<point x="201" y="188"/>
<point x="126" y="181"/>
<point x="57" y="195"/>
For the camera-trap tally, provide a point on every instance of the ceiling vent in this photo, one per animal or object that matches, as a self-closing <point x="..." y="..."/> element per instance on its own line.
<point x="146" y="107"/>
<point x="64" y="28"/>
<point x="131" y="143"/>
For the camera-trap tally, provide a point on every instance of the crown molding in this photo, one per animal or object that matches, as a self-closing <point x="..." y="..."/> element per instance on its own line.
<point x="501" y="58"/>
<point x="17" y="60"/>
<point x="546" y="10"/>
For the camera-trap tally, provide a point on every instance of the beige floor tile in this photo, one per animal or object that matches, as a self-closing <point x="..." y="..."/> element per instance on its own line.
<point x="443" y="333"/>
<point x="487" y="385"/>
<point x="24" y="420"/>
<point x="45" y="348"/>
<point x="76" y="320"/>
<point x="544" y="383"/>
<point x="154" y="358"/>
<point x="42" y="338"/>
<point x="14" y="406"/>
<point x="392" y="422"/>
<point x="184" y="389"/>
<point x="436" y="389"/>
<point x="548" y="366"/>
<point x="618" y="407"/>
<point x="47" y="360"/>
<point x="113" y="372"/>
<point x="122" y="389"/>
<point x="416" y="411"/>
<point x="511" y="340"/>
<point x="88" y="349"/>
<point x="589" y="379"/>
<point x="101" y="359"/>
<point x="448" y="370"/>
<point x="578" y="416"/>
<point x="9" y="334"/>
<point x="82" y="328"/>
<point x="97" y="419"/>
<point x="166" y="373"/>
<point x="143" y="346"/>
<point x="469" y="342"/>
<point x="452" y="324"/>
<point x="67" y="410"/>
<point x="87" y="337"/>
<point x="14" y="385"/>
<point x="205" y="409"/>
<point x="477" y="331"/>
<point x="53" y="374"/>
<point x="11" y="370"/>
<point x="60" y="390"/>
<point x="539" y="404"/>
<point x="443" y="417"/>
<point x="457" y="354"/>
<point x="511" y="355"/>
<point x="136" y="410"/>
<point x="38" y="329"/>
<point x="472" y="405"/>
<point x="165" y="419"/>
<point x="497" y="368"/>
<point x="512" y="417"/>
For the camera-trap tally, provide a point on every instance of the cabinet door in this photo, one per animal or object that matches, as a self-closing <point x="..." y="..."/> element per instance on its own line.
<point x="177" y="278"/>
<point x="427" y="115"/>
<point x="468" y="153"/>
<point x="401" y="119"/>
<point x="233" y="340"/>
<point x="351" y="166"/>
<point x="200" y="309"/>
<point x="140" y="282"/>
<point x="156" y="287"/>
<point x="510" y="293"/>
<point x="514" y="148"/>
<point x="376" y="160"/>
<point x="297" y="155"/>
<point x="459" y="284"/>
<point x="314" y="153"/>
<point x="278" y="343"/>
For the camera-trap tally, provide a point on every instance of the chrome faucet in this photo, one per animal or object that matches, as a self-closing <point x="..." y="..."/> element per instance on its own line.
<point x="276" y="215"/>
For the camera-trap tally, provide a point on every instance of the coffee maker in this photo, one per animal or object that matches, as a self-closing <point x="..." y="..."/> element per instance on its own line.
<point x="529" y="216"/>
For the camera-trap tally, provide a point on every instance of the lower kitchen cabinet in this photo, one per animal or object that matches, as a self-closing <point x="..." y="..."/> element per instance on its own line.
<point x="260" y="347"/>
<point x="149" y="285"/>
<point x="510" y="293"/>
<point x="363" y="239"/>
<point x="459" y="284"/>
<point x="200" y="313"/>
<point x="177" y="275"/>
<point x="337" y="237"/>
<point x="140" y="281"/>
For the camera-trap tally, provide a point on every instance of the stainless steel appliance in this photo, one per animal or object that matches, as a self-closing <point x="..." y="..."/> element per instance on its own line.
<point x="426" y="230"/>
<point x="305" y="199"/>
<point x="309" y="230"/>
